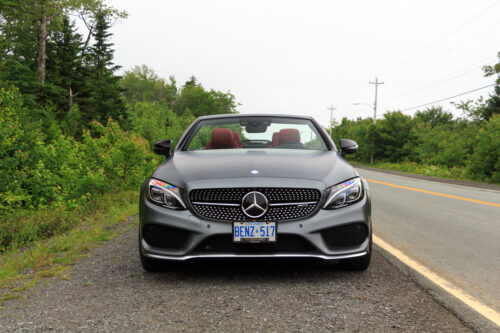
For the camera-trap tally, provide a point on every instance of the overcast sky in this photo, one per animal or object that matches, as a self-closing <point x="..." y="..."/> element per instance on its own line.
<point x="299" y="57"/>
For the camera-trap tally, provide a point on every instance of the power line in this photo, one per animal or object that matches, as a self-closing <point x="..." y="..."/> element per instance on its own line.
<point x="473" y="18"/>
<point x="361" y="87"/>
<point x="449" y="49"/>
<point x="440" y="81"/>
<point x="444" y="99"/>
<point x="436" y="42"/>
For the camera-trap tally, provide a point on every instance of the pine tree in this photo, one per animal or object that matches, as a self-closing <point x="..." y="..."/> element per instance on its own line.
<point x="105" y="99"/>
<point x="64" y="65"/>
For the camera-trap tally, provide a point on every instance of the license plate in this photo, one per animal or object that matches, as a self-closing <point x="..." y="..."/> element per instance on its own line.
<point x="254" y="232"/>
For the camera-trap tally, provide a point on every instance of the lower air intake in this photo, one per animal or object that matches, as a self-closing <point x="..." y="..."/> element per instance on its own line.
<point x="345" y="235"/>
<point x="164" y="237"/>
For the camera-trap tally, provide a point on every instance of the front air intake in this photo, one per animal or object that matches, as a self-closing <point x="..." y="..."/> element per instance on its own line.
<point x="347" y="235"/>
<point x="164" y="237"/>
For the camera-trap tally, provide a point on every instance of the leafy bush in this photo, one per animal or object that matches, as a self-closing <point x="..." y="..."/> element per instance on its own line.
<point x="41" y="167"/>
<point x="484" y="163"/>
<point x="156" y="122"/>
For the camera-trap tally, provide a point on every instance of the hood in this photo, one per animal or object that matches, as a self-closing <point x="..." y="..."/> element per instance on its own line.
<point x="185" y="167"/>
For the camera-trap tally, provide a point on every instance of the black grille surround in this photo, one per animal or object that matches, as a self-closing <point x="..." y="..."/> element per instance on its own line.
<point x="285" y="204"/>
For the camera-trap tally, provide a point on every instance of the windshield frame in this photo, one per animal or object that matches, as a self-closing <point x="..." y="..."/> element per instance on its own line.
<point x="186" y="138"/>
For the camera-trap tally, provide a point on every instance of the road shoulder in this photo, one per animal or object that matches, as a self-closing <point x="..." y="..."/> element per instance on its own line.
<point x="438" y="290"/>
<point x="110" y="291"/>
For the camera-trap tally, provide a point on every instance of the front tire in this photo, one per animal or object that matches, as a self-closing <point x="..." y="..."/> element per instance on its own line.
<point x="359" y="263"/>
<point x="151" y="265"/>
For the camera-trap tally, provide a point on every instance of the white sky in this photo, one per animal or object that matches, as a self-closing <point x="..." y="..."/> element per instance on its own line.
<point x="299" y="57"/>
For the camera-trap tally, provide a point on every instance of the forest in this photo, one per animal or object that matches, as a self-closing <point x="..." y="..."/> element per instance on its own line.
<point x="75" y="136"/>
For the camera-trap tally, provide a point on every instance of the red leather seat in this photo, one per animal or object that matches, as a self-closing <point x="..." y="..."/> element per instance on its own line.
<point x="276" y="139"/>
<point x="289" y="135"/>
<point x="222" y="138"/>
<point x="237" y="140"/>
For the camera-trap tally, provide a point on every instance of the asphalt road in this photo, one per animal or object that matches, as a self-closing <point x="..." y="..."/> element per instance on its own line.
<point x="457" y="239"/>
<point x="109" y="291"/>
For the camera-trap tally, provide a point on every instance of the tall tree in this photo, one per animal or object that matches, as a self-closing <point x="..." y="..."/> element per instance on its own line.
<point x="195" y="100"/>
<point x="105" y="99"/>
<point x="64" y="65"/>
<point x="40" y="13"/>
<point x="493" y="103"/>
<point x="142" y="84"/>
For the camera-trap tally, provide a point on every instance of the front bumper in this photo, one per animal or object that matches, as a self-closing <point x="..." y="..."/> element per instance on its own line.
<point x="311" y="231"/>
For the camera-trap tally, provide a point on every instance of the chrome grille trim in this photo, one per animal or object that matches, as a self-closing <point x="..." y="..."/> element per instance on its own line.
<point x="293" y="203"/>
<point x="237" y="205"/>
<point x="216" y="204"/>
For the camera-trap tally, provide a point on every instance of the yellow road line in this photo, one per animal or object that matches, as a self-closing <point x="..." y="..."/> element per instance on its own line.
<point x="482" y="309"/>
<point x="436" y="193"/>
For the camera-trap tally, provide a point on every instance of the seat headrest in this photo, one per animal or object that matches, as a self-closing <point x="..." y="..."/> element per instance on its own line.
<point x="276" y="139"/>
<point x="222" y="138"/>
<point x="289" y="135"/>
<point x="237" y="139"/>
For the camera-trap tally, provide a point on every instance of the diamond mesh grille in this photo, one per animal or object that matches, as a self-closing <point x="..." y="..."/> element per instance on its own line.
<point x="204" y="203"/>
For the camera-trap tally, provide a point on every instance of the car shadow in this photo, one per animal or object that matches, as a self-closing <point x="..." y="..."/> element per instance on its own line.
<point x="244" y="269"/>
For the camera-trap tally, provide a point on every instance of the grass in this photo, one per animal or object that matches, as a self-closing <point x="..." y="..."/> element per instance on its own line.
<point x="457" y="173"/>
<point x="53" y="254"/>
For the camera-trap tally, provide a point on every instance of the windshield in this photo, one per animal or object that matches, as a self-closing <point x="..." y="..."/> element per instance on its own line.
<point x="255" y="132"/>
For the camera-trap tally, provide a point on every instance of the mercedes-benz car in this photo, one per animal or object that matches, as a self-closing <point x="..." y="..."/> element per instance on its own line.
<point x="255" y="186"/>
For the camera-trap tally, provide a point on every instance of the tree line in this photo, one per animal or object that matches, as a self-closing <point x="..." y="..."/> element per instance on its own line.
<point x="463" y="147"/>
<point x="71" y="128"/>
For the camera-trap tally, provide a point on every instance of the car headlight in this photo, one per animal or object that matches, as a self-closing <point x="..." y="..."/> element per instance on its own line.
<point x="344" y="194"/>
<point x="165" y="194"/>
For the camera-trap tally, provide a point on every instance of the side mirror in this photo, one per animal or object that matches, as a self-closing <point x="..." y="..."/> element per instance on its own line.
<point x="347" y="147"/>
<point x="163" y="148"/>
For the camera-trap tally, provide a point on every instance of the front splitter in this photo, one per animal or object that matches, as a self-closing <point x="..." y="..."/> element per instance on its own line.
<point x="256" y="255"/>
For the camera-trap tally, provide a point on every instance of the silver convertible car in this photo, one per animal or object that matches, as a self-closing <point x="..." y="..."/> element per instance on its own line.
<point x="255" y="186"/>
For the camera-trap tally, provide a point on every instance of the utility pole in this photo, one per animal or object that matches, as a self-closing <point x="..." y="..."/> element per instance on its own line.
<point x="331" y="108"/>
<point x="376" y="83"/>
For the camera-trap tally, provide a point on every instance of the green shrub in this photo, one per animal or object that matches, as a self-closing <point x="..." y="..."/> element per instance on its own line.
<point x="431" y="143"/>
<point x="156" y="122"/>
<point x="42" y="167"/>
<point x="484" y="163"/>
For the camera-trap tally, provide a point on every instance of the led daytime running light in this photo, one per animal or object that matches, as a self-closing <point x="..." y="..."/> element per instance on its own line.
<point x="342" y="192"/>
<point x="167" y="190"/>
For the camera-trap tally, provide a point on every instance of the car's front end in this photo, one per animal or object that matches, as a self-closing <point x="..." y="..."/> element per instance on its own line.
<point x="258" y="202"/>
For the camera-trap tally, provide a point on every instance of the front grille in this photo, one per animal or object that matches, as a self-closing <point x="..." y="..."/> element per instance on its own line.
<point x="285" y="243"/>
<point x="353" y="234"/>
<point x="285" y="204"/>
<point x="235" y="195"/>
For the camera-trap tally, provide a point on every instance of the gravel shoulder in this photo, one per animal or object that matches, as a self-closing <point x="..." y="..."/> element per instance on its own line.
<point x="109" y="291"/>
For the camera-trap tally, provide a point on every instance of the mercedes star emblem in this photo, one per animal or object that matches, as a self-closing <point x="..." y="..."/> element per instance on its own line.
<point x="254" y="204"/>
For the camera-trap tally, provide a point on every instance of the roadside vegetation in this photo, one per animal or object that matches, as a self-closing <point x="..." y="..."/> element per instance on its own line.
<point x="433" y="142"/>
<point x="76" y="138"/>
